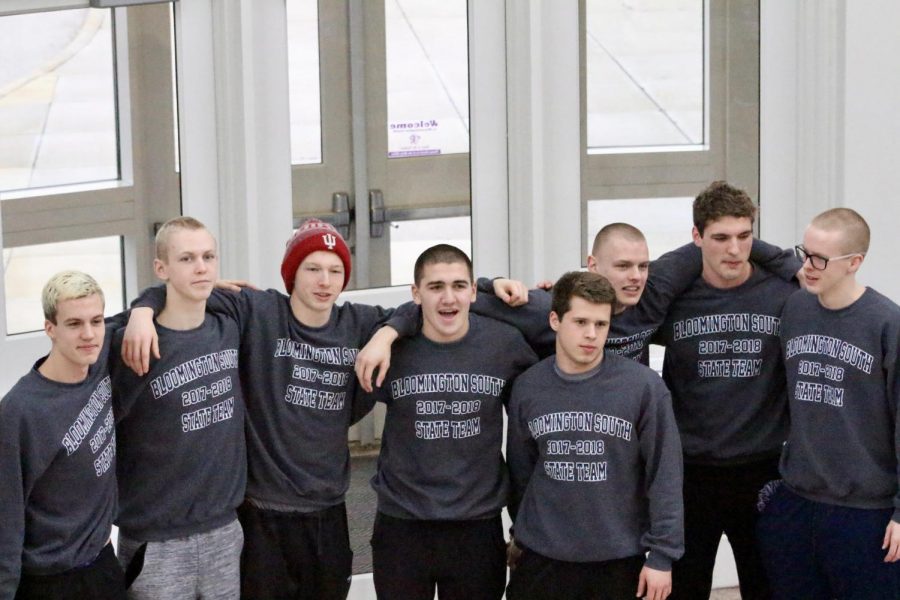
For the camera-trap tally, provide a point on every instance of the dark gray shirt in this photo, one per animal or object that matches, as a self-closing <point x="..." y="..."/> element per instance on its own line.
<point x="441" y="447"/>
<point x="595" y="464"/>
<point x="724" y="368"/>
<point x="182" y="464"/>
<point x="300" y="390"/>
<point x="57" y="468"/>
<point x="843" y="371"/>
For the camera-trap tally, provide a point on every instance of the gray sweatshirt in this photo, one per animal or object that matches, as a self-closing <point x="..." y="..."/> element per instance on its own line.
<point x="723" y="366"/>
<point x="58" y="473"/>
<point x="843" y="372"/>
<point x="595" y="464"/>
<point x="300" y="390"/>
<point x="441" y="447"/>
<point x="182" y="464"/>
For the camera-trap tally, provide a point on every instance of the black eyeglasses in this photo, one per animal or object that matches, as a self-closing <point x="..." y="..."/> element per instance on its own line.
<point x="818" y="262"/>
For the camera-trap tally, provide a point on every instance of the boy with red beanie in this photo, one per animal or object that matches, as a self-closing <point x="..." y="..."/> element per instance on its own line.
<point x="296" y="360"/>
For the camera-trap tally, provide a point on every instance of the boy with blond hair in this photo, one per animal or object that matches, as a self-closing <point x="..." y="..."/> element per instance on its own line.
<point x="182" y="454"/>
<point x="58" y="458"/>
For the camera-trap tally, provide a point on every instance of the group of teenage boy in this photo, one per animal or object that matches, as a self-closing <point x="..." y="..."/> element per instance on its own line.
<point x="212" y="429"/>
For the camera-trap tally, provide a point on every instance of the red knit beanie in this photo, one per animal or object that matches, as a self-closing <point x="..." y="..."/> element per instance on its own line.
<point x="313" y="235"/>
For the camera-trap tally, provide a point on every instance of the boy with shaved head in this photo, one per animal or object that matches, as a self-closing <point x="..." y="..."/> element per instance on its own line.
<point x="182" y="453"/>
<point x="441" y="479"/>
<point x="58" y="458"/>
<point x="832" y="529"/>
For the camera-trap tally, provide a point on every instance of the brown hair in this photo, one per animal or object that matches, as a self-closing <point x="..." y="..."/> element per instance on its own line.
<point x="592" y="287"/>
<point x="719" y="200"/>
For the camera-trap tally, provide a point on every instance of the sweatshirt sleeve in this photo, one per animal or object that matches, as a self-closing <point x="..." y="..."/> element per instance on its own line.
<point x="521" y="452"/>
<point x="363" y="403"/>
<point x="670" y="275"/>
<point x="12" y="509"/>
<point x="531" y="319"/>
<point x="782" y="263"/>
<point x="21" y="464"/>
<point x="892" y="376"/>
<point x="661" y="451"/>
<point x="232" y="304"/>
<point x="406" y="319"/>
<point x="235" y="305"/>
<point x="152" y="297"/>
<point x="127" y="385"/>
<point x="116" y="321"/>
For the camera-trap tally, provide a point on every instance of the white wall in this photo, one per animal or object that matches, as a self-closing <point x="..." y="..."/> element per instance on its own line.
<point x="871" y="133"/>
<point x="830" y="129"/>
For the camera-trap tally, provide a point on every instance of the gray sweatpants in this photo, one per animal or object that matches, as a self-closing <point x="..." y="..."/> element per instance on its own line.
<point x="202" y="566"/>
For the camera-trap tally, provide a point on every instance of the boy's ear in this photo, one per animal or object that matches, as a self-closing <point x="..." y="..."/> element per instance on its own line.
<point x="159" y="269"/>
<point x="554" y="321"/>
<point x="695" y="235"/>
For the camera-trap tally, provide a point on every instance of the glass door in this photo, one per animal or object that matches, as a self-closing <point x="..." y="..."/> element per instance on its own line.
<point x="380" y="127"/>
<point x="380" y="147"/>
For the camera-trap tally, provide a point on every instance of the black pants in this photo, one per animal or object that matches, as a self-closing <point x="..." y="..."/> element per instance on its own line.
<point x="101" y="580"/>
<point x="537" y="577"/>
<point x="295" y="556"/>
<point x="466" y="560"/>
<point x="721" y="500"/>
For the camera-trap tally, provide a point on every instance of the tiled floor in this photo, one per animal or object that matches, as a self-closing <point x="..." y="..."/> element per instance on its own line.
<point x="361" y="511"/>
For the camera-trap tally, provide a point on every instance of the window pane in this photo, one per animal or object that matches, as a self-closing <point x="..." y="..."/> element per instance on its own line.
<point x="666" y="222"/>
<point x="172" y="54"/>
<point x="645" y="73"/>
<point x="29" y="267"/>
<point x="57" y="99"/>
<point x="303" y="81"/>
<point x="427" y="77"/>
<point x="410" y="238"/>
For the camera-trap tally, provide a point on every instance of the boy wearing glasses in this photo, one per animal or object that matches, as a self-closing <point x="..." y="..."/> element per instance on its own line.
<point x="833" y="528"/>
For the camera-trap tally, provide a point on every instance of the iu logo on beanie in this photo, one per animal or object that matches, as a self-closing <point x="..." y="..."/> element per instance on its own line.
<point x="313" y="235"/>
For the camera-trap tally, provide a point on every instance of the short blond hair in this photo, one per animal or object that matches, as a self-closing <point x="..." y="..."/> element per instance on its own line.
<point x="67" y="285"/>
<point x="850" y="223"/>
<point x="162" y="235"/>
